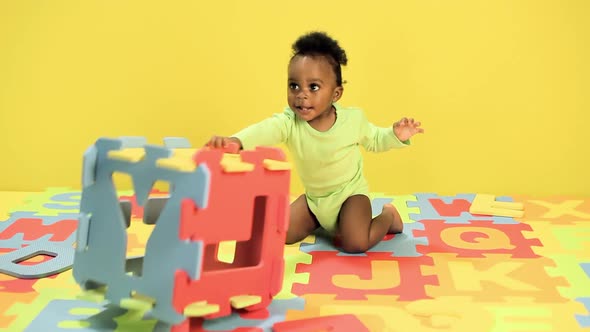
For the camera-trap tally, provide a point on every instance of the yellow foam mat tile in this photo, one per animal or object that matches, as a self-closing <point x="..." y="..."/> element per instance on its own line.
<point x="184" y="153"/>
<point x="131" y="155"/>
<point x="177" y="163"/>
<point x="233" y="166"/>
<point x="93" y="295"/>
<point x="276" y="165"/>
<point x="200" y="309"/>
<point x="140" y="304"/>
<point x="487" y="205"/>
<point x="10" y="199"/>
<point x="242" y="301"/>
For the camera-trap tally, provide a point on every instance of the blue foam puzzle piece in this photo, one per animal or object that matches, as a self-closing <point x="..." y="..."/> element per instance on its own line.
<point x="377" y="205"/>
<point x="89" y="166"/>
<point x="62" y="260"/>
<point x="58" y="311"/>
<point x="586" y="268"/>
<point x="65" y="201"/>
<point x="584" y="320"/>
<point x="277" y="312"/>
<point x="18" y="241"/>
<point x="132" y="141"/>
<point x="103" y="260"/>
<point x="82" y="232"/>
<point x="176" y="143"/>
<point x="428" y="212"/>
<point x="401" y="245"/>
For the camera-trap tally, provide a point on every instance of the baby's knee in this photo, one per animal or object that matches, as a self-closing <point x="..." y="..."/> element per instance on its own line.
<point x="294" y="237"/>
<point x="289" y="241"/>
<point x="354" y="247"/>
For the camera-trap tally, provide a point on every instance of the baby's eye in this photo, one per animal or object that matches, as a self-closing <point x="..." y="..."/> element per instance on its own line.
<point x="314" y="87"/>
<point x="293" y="86"/>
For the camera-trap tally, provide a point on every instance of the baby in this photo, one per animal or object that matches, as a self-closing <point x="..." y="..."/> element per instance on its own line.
<point x="323" y="138"/>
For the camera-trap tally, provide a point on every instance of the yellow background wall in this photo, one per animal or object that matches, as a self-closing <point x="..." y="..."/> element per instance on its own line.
<point x="502" y="87"/>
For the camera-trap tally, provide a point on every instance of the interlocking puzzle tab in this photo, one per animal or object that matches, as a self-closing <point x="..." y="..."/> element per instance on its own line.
<point x="216" y="195"/>
<point x="487" y="204"/>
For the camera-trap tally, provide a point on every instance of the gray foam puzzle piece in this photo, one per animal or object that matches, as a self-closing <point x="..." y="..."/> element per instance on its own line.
<point x="58" y="311"/>
<point x="18" y="241"/>
<point x="62" y="260"/>
<point x="584" y="320"/>
<point x="277" y="312"/>
<point x="428" y="212"/>
<point x="102" y="261"/>
<point x="401" y="245"/>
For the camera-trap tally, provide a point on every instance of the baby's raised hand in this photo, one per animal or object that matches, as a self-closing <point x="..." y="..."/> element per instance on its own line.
<point x="406" y="128"/>
<point x="220" y="142"/>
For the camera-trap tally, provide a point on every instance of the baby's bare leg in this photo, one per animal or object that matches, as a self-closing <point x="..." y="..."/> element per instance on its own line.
<point x="397" y="226"/>
<point x="302" y="222"/>
<point x="358" y="232"/>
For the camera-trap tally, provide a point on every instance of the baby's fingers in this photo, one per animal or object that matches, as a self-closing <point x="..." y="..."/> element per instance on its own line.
<point x="417" y="125"/>
<point x="209" y="142"/>
<point x="216" y="142"/>
<point x="401" y="122"/>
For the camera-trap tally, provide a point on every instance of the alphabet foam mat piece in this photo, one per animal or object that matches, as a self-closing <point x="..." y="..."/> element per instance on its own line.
<point x="449" y="270"/>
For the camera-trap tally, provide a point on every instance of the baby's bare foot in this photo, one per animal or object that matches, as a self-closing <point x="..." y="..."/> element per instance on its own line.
<point x="397" y="226"/>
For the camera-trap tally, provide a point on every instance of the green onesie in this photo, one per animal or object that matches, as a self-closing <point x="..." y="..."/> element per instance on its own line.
<point x="329" y="163"/>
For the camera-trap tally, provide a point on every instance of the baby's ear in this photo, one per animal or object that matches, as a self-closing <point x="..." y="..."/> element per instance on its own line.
<point x="337" y="93"/>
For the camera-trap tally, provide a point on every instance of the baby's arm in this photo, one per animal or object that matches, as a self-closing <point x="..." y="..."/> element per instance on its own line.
<point x="270" y="131"/>
<point x="378" y="139"/>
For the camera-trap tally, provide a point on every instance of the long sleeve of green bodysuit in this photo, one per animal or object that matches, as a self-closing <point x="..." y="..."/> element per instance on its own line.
<point x="379" y="139"/>
<point x="271" y="131"/>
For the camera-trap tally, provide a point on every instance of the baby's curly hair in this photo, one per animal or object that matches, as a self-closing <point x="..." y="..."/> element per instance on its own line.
<point x="318" y="43"/>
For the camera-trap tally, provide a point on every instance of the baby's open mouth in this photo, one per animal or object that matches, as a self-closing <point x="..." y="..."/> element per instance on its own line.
<point x="304" y="109"/>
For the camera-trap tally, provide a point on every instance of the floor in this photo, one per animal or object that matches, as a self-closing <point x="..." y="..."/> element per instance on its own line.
<point x="448" y="271"/>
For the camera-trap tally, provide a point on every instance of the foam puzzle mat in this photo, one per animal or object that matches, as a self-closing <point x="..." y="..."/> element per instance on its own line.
<point x="448" y="271"/>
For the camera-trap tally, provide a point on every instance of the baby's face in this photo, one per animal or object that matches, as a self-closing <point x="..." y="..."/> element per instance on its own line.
<point x="311" y="86"/>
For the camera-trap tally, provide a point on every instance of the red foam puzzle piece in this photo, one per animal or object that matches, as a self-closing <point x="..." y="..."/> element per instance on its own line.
<point x="402" y="277"/>
<point x="257" y="219"/>
<point x="233" y="217"/>
<point x="453" y="209"/>
<point x="477" y="239"/>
